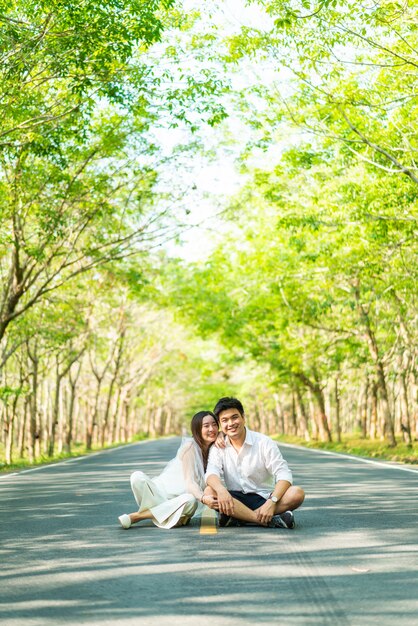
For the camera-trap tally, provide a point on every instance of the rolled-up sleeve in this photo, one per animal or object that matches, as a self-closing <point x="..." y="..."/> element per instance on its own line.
<point x="275" y="462"/>
<point x="215" y="463"/>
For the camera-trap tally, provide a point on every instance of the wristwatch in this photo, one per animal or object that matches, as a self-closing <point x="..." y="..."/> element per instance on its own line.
<point x="274" y="499"/>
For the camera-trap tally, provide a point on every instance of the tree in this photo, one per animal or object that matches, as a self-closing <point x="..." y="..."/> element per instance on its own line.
<point x="306" y="283"/>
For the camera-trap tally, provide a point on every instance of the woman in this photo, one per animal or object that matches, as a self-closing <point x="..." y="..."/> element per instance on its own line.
<point x="171" y="498"/>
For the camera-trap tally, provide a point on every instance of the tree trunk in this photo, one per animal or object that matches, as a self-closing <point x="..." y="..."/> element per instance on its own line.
<point x="69" y="425"/>
<point x="405" y="416"/>
<point x="33" y="426"/>
<point x="167" y="425"/>
<point x="363" y="408"/>
<point x="22" y="434"/>
<point x="93" y="418"/>
<point x="125" y="417"/>
<point x="272" y="422"/>
<point x="318" y="395"/>
<point x="293" y="420"/>
<point x="105" y="424"/>
<point x="303" y="417"/>
<point x="279" y="413"/>
<point x="262" y="417"/>
<point x="337" y="409"/>
<point x="373" y="411"/>
<point x="9" y="442"/>
<point x="55" y="411"/>
<point x="158" y="420"/>
<point x="313" y="416"/>
<point x="325" y="431"/>
<point x="380" y="372"/>
<point x="88" y="428"/>
<point x="113" y="428"/>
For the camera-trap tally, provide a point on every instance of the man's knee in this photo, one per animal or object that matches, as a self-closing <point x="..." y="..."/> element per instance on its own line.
<point x="297" y="496"/>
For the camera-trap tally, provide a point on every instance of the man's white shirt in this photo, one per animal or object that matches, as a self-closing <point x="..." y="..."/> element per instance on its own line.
<point x="257" y="467"/>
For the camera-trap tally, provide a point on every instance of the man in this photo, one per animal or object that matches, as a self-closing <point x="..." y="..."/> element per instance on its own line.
<point x="258" y="482"/>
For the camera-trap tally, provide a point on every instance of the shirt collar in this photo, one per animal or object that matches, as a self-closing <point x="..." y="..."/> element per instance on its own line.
<point x="249" y="438"/>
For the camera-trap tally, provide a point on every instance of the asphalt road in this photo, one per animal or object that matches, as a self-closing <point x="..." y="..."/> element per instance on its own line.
<point x="65" y="560"/>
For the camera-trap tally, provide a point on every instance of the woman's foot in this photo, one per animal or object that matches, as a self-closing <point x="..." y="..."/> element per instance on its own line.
<point x="183" y="521"/>
<point x="125" y="521"/>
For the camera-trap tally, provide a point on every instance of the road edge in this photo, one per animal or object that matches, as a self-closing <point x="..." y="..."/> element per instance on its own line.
<point x="73" y="459"/>
<point x="352" y="457"/>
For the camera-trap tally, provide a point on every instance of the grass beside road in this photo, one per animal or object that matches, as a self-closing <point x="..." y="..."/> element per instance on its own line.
<point x="372" y="449"/>
<point x="77" y="449"/>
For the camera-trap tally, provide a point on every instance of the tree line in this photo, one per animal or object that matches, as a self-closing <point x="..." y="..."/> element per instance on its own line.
<point x="94" y="377"/>
<point x="317" y="277"/>
<point x="306" y="308"/>
<point x="83" y="205"/>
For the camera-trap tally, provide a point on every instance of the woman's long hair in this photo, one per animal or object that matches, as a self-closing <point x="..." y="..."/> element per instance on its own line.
<point x="196" y="428"/>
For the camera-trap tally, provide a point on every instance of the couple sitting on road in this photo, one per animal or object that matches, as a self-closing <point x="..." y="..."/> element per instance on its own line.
<point x="257" y="483"/>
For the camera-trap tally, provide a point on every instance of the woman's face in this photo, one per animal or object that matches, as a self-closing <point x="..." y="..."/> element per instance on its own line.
<point x="209" y="429"/>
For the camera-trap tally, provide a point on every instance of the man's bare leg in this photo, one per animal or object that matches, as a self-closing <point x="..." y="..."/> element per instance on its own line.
<point x="243" y="513"/>
<point x="290" y="500"/>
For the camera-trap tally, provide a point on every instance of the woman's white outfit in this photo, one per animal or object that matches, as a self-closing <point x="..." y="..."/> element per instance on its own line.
<point x="172" y="497"/>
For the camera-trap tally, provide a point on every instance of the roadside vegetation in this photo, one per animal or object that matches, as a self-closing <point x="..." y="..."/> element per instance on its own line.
<point x="360" y="447"/>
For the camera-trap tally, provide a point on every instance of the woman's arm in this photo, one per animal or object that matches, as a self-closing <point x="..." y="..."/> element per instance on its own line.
<point x="210" y="498"/>
<point x="191" y="478"/>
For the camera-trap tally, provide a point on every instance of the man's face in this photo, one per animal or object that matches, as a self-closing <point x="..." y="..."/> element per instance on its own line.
<point x="232" y="423"/>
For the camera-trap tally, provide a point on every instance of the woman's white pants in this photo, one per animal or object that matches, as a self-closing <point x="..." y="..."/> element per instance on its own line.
<point x="166" y="511"/>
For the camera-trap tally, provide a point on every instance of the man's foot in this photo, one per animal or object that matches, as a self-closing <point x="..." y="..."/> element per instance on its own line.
<point x="284" y="520"/>
<point x="288" y="518"/>
<point x="225" y="520"/>
<point x="125" y="521"/>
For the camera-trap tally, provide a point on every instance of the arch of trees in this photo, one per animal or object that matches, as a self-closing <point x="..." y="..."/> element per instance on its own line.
<point x="307" y="306"/>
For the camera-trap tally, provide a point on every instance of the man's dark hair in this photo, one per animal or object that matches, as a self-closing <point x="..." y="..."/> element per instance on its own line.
<point x="228" y="403"/>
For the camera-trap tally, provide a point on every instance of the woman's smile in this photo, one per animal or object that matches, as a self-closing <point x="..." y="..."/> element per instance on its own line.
<point x="209" y="429"/>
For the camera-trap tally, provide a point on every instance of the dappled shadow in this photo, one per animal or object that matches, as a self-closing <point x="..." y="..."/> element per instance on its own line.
<point x="352" y="558"/>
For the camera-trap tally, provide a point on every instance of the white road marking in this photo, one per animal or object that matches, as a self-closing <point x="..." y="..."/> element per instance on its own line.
<point x="386" y="465"/>
<point x="75" y="458"/>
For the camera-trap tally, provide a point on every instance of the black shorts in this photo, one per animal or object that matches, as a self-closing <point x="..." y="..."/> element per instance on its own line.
<point x="252" y="500"/>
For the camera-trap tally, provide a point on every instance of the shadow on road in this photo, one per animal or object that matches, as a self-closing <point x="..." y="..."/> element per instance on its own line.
<point x="352" y="559"/>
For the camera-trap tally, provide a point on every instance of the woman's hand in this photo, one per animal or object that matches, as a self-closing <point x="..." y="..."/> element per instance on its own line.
<point x="210" y="501"/>
<point x="220" y="441"/>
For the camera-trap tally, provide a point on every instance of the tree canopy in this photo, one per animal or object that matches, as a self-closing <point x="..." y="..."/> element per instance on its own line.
<point x="303" y="299"/>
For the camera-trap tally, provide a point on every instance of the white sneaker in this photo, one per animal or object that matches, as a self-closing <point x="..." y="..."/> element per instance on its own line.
<point x="125" y="521"/>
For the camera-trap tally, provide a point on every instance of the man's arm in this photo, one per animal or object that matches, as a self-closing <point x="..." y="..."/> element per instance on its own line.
<point x="214" y="471"/>
<point x="275" y="463"/>
<point x="278" y="468"/>
<point x="225" y="503"/>
<point x="267" y="510"/>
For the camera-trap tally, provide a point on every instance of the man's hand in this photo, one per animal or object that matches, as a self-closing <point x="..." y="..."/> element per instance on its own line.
<point x="265" y="512"/>
<point x="225" y="502"/>
<point x="220" y="441"/>
<point x="210" y="501"/>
